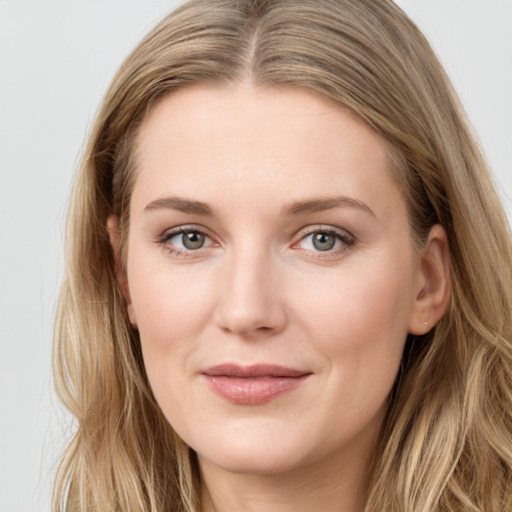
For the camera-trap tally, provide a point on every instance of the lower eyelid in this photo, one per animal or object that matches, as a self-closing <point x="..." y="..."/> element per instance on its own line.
<point x="164" y="239"/>
<point x="344" y="239"/>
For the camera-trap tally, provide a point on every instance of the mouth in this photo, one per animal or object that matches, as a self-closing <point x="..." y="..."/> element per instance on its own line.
<point x="255" y="384"/>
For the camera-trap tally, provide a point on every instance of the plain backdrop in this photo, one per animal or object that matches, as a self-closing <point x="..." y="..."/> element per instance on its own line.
<point x="56" y="60"/>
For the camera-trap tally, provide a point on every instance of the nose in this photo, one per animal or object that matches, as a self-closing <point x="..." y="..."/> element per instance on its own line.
<point x="251" y="297"/>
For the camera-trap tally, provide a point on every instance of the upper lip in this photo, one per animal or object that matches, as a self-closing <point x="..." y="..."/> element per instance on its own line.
<point x="253" y="371"/>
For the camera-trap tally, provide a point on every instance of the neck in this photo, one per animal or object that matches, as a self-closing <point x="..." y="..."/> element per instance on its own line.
<point x="335" y="484"/>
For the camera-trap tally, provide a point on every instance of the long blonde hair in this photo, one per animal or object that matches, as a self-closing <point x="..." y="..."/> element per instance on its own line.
<point x="447" y="439"/>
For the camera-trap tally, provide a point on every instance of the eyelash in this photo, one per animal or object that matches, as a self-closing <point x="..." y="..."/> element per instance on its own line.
<point x="346" y="239"/>
<point x="164" y="238"/>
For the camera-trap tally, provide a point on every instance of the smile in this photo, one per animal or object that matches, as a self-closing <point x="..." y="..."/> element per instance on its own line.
<point x="253" y="385"/>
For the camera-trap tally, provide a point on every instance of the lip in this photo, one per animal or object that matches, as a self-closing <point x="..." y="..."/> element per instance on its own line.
<point x="254" y="384"/>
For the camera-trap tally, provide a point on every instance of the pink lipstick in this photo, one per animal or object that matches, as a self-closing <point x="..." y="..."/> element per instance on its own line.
<point x="253" y="385"/>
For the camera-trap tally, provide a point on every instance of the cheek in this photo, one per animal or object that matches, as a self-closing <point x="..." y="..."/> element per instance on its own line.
<point x="170" y="303"/>
<point x="359" y="317"/>
<point x="172" y="306"/>
<point x="360" y="299"/>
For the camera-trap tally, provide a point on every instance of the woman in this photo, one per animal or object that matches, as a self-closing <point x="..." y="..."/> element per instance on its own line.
<point x="288" y="277"/>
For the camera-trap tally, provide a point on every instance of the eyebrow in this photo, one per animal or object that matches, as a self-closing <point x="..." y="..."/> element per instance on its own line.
<point x="299" y="208"/>
<point x="180" y="204"/>
<point x="321" y="204"/>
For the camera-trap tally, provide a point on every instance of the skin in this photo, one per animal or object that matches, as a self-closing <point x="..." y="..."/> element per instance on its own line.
<point x="259" y="290"/>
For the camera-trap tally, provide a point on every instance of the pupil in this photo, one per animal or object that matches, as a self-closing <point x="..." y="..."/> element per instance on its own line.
<point x="193" y="240"/>
<point x="323" y="241"/>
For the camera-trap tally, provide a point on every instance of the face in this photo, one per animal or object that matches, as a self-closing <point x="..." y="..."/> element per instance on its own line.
<point x="271" y="274"/>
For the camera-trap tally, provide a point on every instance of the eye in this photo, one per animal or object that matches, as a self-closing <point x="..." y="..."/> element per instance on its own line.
<point x="190" y="240"/>
<point x="184" y="240"/>
<point x="325" y="240"/>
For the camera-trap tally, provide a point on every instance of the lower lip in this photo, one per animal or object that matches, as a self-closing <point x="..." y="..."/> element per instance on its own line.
<point x="253" y="390"/>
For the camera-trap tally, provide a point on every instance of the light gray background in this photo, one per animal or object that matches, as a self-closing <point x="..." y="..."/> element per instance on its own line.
<point x="56" y="59"/>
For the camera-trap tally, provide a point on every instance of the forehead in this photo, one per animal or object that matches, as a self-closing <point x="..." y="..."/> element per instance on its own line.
<point x="284" y="143"/>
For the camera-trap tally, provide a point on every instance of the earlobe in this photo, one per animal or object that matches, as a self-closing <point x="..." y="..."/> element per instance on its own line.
<point x="122" y="279"/>
<point x="434" y="284"/>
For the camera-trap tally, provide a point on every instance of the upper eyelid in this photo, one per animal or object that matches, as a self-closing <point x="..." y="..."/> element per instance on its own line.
<point x="170" y="232"/>
<point x="345" y="237"/>
<point x="163" y="240"/>
<point x="313" y="228"/>
<point x="326" y="228"/>
<point x="299" y="235"/>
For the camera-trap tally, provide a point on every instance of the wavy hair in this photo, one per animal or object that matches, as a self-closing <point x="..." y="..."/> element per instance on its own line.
<point x="446" y="443"/>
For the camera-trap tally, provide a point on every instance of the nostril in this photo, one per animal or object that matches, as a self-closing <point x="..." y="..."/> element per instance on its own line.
<point x="248" y="306"/>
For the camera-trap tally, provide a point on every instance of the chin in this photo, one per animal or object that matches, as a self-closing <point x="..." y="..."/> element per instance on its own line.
<point x="261" y="462"/>
<point x="253" y="454"/>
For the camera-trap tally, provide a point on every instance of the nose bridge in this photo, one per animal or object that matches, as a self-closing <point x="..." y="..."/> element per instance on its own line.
<point x="251" y="297"/>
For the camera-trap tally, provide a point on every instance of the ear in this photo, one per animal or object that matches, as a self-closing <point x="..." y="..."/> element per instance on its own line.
<point x="433" y="283"/>
<point x="122" y="278"/>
